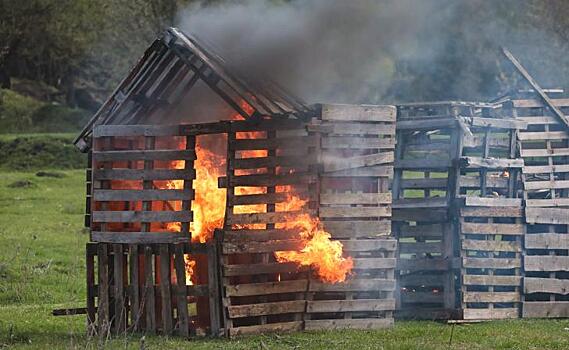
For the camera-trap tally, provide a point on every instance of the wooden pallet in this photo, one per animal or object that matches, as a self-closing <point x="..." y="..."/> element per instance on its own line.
<point x="260" y="294"/>
<point x="545" y="149"/>
<point x="131" y="167"/>
<point x="355" y="208"/>
<point x="142" y="288"/>
<point x="428" y="144"/>
<point x="491" y="233"/>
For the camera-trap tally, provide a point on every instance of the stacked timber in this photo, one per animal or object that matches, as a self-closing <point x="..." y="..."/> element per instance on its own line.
<point x="429" y="145"/>
<point x="544" y="146"/>
<point x="490" y="218"/>
<point x="357" y="144"/>
<point x="269" y="164"/>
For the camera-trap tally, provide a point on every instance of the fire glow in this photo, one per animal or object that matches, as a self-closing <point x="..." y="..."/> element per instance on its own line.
<point x="319" y="251"/>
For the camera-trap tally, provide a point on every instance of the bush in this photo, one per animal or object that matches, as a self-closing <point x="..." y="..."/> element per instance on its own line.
<point x="40" y="152"/>
<point x="16" y="111"/>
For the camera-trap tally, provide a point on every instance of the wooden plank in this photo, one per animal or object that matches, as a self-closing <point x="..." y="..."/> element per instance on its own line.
<point x="556" y="202"/>
<point x="498" y="123"/>
<point x="250" y="289"/>
<point x="298" y="160"/>
<point x="490" y="297"/>
<point x="134" y="275"/>
<point x="536" y="103"/>
<point x="141" y="216"/>
<point x="548" y="101"/>
<point x="432" y="230"/>
<point x="358" y="229"/>
<point x="214" y="292"/>
<point x="491" y="263"/>
<point x="492" y="229"/>
<point x="423" y="164"/>
<point x="165" y="290"/>
<point x="263" y="247"/>
<point x="537" y="120"/>
<point x="149" y="293"/>
<point x="274" y="143"/>
<point x="421" y="247"/>
<point x="143" y="195"/>
<point x="353" y="285"/>
<point x="434" y="123"/>
<point x="365" y="323"/>
<point x="421" y="280"/>
<point x="265" y="218"/>
<point x="491" y="182"/>
<point x="272" y="308"/>
<point x="355" y="198"/>
<point x="547" y="215"/>
<point x="265" y="180"/>
<point x="554" y="152"/>
<point x="138" y="237"/>
<point x="276" y="328"/>
<point x="259" y="235"/>
<point x="181" y="298"/>
<point x="351" y="142"/>
<point x="543" y="135"/>
<point x="551" y="184"/>
<point x="546" y="263"/>
<point x="490" y="163"/>
<point x="143" y="174"/>
<point x="348" y="113"/>
<point x="120" y="305"/>
<point x="545" y="169"/>
<point x="427" y="183"/>
<point x="494" y="212"/>
<point x="490" y="314"/>
<point x="542" y="309"/>
<point x="424" y="264"/>
<point x="423" y="215"/>
<point x="491" y="246"/>
<point x="410" y="203"/>
<point x="348" y="128"/>
<point x="350" y="305"/>
<point x="331" y="165"/>
<point x="103" y="302"/>
<point x="547" y="241"/>
<point x="546" y="285"/>
<point x="374" y="263"/>
<point x="260" y="269"/>
<point x="264" y="198"/>
<point x="136" y="130"/>
<point x="107" y="156"/>
<point x="366" y="245"/>
<point x="492" y="202"/>
<point x="491" y="280"/>
<point x="368" y="171"/>
<point x="90" y="279"/>
<point x="354" y="212"/>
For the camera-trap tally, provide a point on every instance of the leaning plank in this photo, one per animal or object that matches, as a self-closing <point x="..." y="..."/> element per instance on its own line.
<point x="250" y="289"/>
<point x="546" y="285"/>
<point x="546" y="309"/>
<point x="339" y="112"/>
<point x="277" y="328"/>
<point x="350" y="305"/>
<point x="141" y="216"/>
<point x="547" y="215"/>
<point x="365" y="323"/>
<point x="261" y="309"/>
<point x="547" y="241"/>
<point x="358" y="161"/>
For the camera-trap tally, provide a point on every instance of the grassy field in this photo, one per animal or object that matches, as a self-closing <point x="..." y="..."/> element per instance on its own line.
<point x="42" y="267"/>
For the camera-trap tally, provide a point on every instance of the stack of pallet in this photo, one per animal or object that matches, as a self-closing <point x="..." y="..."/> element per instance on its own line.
<point x="490" y="219"/>
<point x="355" y="208"/>
<point x="426" y="181"/>
<point x="269" y="164"/>
<point x="544" y="146"/>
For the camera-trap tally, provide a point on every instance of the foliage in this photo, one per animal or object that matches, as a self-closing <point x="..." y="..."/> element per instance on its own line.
<point x="40" y="151"/>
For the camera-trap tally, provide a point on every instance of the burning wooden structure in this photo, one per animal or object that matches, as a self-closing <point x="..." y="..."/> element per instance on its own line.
<point x="276" y="216"/>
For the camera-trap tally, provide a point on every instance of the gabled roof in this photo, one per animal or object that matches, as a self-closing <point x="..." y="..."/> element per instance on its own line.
<point x="170" y="68"/>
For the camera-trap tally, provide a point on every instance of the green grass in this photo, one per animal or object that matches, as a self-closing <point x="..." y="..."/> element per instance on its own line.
<point x="42" y="268"/>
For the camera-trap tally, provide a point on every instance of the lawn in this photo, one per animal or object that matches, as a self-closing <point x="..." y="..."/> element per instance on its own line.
<point x="42" y="267"/>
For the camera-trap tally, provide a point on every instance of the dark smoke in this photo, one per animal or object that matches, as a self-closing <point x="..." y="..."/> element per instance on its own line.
<point x="366" y="51"/>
